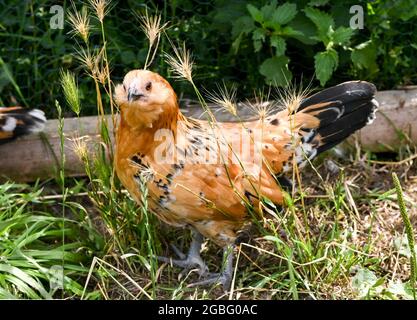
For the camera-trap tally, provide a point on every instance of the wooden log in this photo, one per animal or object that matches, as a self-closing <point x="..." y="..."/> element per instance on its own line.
<point x="33" y="157"/>
<point x="397" y="115"/>
<point x="38" y="156"/>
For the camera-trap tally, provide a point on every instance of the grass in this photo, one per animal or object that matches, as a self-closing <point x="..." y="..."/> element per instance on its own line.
<point x="344" y="233"/>
<point x="35" y="262"/>
<point x="331" y="251"/>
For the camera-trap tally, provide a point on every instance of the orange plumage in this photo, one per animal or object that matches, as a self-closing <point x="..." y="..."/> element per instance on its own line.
<point x="187" y="186"/>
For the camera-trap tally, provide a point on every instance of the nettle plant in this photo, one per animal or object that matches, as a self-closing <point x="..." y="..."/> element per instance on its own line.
<point x="273" y="25"/>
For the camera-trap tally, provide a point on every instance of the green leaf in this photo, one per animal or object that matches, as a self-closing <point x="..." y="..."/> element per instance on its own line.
<point x="364" y="56"/>
<point x="322" y="20"/>
<point x="402" y="246"/>
<point x="26" y="278"/>
<point x="257" y="45"/>
<point x="325" y="63"/>
<point x="400" y="289"/>
<point x="284" y="13"/>
<point x="243" y="25"/>
<point x="342" y="35"/>
<point x="272" y="238"/>
<point x="258" y="38"/>
<point x="278" y="242"/>
<point x="268" y="9"/>
<point x="236" y="43"/>
<point x="276" y="71"/>
<point x="291" y="32"/>
<point x="4" y="294"/>
<point x="363" y="281"/>
<point x="227" y="14"/>
<point x="303" y="29"/>
<point x="279" y="44"/>
<point x="317" y="3"/>
<point x="403" y="9"/>
<point x="255" y="13"/>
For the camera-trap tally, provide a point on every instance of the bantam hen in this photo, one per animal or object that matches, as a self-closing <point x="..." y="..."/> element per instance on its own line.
<point x="18" y="121"/>
<point x="204" y="175"/>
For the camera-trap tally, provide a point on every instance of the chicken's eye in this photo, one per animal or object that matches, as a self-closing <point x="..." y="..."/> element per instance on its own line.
<point x="148" y="86"/>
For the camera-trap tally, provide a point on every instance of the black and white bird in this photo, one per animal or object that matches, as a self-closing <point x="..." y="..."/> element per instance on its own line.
<point x="18" y="121"/>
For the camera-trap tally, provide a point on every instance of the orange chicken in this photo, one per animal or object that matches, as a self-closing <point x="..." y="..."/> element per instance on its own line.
<point x="204" y="175"/>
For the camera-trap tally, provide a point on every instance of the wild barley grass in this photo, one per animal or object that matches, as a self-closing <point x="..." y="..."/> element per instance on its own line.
<point x="71" y="93"/>
<point x="152" y="266"/>
<point x="80" y="22"/>
<point x="181" y="63"/>
<point x="152" y="28"/>
<point x="126" y="224"/>
<point x="225" y="98"/>
<point x="409" y="231"/>
<point x="62" y="169"/>
<point x="101" y="8"/>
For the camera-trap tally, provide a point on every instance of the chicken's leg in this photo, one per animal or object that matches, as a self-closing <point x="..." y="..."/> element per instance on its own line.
<point x="224" y="277"/>
<point x="192" y="259"/>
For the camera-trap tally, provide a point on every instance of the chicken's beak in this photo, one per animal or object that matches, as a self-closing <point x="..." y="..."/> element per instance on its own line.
<point x="134" y="95"/>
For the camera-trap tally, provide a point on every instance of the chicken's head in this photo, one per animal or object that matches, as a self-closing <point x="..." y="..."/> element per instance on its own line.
<point x="144" y="97"/>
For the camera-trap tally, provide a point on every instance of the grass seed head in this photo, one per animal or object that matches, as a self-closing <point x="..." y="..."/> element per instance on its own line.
<point x="93" y="62"/>
<point x="79" y="146"/>
<point x="261" y="106"/>
<point x="292" y="96"/>
<point x="101" y="8"/>
<point x="99" y="69"/>
<point x="85" y="58"/>
<point x="80" y="22"/>
<point x="181" y="64"/>
<point x="151" y="26"/>
<point x="225" y="98"/>
<point x="71" y="93"/>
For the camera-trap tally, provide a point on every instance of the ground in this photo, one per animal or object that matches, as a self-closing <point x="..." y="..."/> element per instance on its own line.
<point x="347" y="241"/>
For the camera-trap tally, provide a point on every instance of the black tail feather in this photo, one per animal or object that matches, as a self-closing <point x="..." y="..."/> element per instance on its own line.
<point x="346" y="92"/>
<point x="342" y="110"/>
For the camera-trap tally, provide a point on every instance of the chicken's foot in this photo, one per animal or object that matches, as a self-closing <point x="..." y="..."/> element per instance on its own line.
<point x="224" y="277"/>
<point x="190" y="260"/>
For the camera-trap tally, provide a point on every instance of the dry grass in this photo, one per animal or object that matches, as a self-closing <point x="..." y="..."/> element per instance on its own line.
<point x="367" y="228"/>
